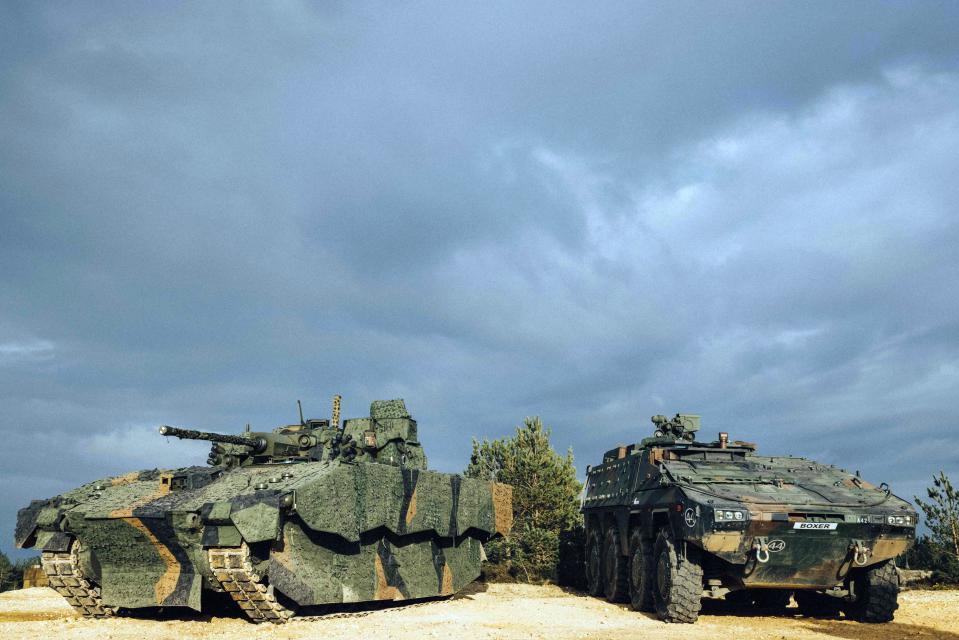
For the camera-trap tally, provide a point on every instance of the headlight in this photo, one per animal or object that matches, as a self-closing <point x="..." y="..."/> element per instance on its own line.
<point x="722" y="515"/>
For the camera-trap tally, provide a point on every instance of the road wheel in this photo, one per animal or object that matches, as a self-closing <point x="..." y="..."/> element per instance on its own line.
<point x="876" y="593"/>
<point x="615" y="568"/>
<point x="678" y="588"/>
<point x="640" y="573"/>
<point x="815" y="604"/>
<point x="594" y="564"/>
<point x="771" y="598"/>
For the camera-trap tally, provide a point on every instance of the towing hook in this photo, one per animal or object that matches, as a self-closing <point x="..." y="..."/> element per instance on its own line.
<point x="761" y="547"/>
<point x="860" y="552"/>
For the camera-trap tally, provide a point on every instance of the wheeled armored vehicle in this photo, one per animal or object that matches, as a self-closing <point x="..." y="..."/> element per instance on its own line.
<point x="308" y="514"/>
<point x="672" y="520"/>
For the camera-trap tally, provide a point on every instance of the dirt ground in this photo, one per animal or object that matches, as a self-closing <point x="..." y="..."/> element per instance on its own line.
<point x="494" y="611"/>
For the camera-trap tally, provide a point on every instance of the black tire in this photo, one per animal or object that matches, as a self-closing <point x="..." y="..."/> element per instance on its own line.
<point x="776" y="599"/>
<point x="594" y="564"/>
<point x="817" y="605"/>
<point x="615" y="568"/>
<point x="640" y="573"/>
<point x="678" y="588"/>
<point x="876" y="591"/>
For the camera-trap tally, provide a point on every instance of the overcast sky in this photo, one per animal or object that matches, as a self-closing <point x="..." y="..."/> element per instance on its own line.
<point x="588" y="213"/>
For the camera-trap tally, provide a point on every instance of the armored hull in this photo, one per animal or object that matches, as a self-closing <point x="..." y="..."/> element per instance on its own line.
<point x="671" y="520"/>
<point x="353" y="517"/>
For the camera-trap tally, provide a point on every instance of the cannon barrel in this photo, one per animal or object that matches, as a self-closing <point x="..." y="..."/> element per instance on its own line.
<point x="189" y="434"/>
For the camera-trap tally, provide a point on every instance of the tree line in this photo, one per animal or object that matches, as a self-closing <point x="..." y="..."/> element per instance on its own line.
<point x="11" y="573"/>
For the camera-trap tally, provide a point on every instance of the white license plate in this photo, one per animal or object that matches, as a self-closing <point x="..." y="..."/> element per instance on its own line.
<point x="815" y="526"/>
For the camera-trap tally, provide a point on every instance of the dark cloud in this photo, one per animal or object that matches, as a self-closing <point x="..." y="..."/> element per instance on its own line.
<point x="493" y="211"/>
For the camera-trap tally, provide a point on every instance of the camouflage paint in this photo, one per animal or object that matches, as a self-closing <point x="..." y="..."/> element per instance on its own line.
<point x="320" y="528"/>
<point x="672" y="482"/>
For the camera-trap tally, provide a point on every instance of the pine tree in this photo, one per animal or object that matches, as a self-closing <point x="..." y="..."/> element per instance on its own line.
<point x="11" y="573"/>
<point x="6" y="573"/>
<point x="942" y="518"/>
<point x="545" y="499"/>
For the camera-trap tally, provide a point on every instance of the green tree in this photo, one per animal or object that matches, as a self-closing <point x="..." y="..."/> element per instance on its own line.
<point x="942" y="518"/>
<point x="8" y="578"/>
<point x="11" y="573"/>
<point x="921" y="555"/>
<point x="545" y="500"/>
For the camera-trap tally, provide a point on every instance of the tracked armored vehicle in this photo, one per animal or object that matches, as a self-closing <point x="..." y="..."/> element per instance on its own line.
<point x="672" y="520"/>
<point x="307" y="514"/>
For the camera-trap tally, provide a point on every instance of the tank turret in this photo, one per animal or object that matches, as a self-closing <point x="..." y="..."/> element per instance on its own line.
<point x="280" y="445"/>
<point x="388" y="436"/>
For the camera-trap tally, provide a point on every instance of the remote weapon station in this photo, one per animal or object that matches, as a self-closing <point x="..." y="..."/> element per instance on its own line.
<point x="307" y="514"/>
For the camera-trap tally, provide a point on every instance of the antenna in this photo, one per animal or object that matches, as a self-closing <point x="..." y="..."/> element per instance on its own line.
<point x="300" y="407"/>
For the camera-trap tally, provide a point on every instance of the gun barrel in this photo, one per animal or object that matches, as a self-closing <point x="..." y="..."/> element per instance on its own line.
<point x="190" y="434"/>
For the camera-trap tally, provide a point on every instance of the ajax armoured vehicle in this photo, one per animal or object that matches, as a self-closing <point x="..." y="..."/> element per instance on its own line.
<point x="671" y="520"/>
<point x="307" y="514"/>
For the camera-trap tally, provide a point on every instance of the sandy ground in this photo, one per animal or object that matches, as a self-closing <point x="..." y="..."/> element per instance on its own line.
<point x="496" y="611"/>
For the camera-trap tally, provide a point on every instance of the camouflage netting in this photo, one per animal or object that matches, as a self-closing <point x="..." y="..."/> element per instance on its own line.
<point x="382" y="409"/>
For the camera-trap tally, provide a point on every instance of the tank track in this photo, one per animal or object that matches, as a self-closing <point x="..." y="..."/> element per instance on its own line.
<point x="64" y="575"/>
<point x="233" y="569"/>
